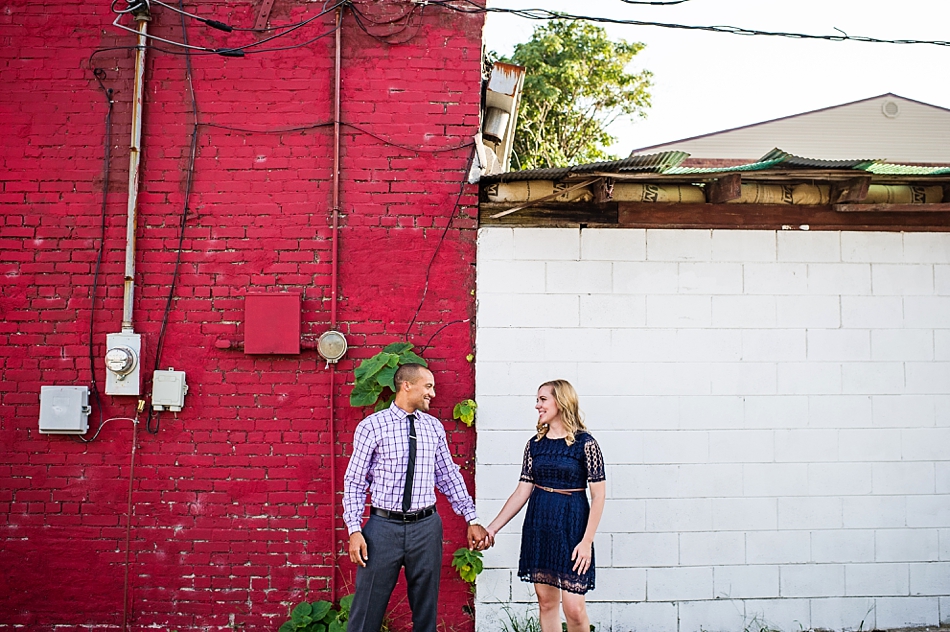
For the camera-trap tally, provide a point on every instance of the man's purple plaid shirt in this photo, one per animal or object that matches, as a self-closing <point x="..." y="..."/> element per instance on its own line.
<point x="380" y="457"/>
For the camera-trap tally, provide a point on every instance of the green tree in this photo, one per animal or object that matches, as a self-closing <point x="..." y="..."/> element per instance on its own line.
<point x="576" y="86"/>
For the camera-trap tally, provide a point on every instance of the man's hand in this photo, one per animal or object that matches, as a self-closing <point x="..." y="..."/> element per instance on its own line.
<point x="358" y="552"/>
<point x="478" y="538"/>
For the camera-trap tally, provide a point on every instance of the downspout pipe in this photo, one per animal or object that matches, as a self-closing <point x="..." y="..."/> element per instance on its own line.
<point x="334" y="267"/>
<point x="142" y="19"/>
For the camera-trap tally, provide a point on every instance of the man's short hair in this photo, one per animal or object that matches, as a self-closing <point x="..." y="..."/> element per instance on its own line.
<point x="408" y="373"/>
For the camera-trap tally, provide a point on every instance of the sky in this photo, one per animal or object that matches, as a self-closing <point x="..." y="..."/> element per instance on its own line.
<point x="706" y="82"/>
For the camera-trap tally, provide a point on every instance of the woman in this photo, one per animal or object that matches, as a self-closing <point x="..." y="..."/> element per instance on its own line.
<point x="557" y="540"/>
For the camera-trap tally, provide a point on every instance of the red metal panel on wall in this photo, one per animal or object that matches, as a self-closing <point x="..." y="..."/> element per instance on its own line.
<point x="272" y="323"/>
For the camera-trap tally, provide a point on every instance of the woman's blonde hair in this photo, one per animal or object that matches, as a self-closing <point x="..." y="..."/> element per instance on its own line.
<point x="565" y="397"/>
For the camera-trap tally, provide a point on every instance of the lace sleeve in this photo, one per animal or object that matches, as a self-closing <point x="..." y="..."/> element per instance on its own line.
<point x="595" y="461"/>
<point x="527" y="467"/>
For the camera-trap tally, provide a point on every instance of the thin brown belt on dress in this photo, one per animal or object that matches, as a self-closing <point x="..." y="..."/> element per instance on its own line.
<point x="565" y="492"/>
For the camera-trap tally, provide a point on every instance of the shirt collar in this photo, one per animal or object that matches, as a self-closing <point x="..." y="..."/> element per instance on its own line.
<point x="399" y="413"/>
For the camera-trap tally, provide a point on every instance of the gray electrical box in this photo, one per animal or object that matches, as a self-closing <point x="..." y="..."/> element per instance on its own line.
<point x="168" y="390"/>
<point x="64" y="409"/>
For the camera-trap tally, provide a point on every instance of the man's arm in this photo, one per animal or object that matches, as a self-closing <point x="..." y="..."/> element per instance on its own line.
<point x="355" y="485"/>
<point x="448" y="480"/>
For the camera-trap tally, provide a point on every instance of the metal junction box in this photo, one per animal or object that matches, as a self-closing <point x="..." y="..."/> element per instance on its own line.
<point x="64" y="409"/>
<point x="168" y="390"/>
<point x="123" y="364"/>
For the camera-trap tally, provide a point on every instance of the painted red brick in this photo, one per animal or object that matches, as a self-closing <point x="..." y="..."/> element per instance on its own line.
<point x="232" y="497"/>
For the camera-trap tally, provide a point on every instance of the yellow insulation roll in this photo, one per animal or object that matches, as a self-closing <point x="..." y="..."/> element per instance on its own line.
<point x="628" y="192"/>
<point x="903" y="194"/>
<point x="804" y="194"/>
<point x="531" y="190"/>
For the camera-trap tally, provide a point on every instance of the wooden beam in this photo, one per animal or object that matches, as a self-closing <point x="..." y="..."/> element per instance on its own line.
<point x="263" y="15"/>
<point x="893" y="208"/>
<point x="561" y="214"/>
<point x="728" y="187"/>
<point x="853" y="190"/>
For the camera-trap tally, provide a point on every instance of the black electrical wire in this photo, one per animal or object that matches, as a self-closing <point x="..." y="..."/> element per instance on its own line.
<point x="545" y="14"/>
<point x="359" y="17"/>
<point x="189" y="180"/>
<point x="439" y="330"/>
<point x="407" y="147"/>
<point x="425" y="288"/>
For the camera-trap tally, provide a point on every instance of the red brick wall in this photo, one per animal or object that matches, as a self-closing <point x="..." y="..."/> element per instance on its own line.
<point x="232" y="497"/>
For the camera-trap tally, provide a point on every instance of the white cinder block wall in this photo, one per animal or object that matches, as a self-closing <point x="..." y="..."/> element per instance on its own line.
<point x="774" y="409"/>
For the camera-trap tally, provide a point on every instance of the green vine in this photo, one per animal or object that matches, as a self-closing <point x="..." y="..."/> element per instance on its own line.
<point x="374" y="376"/>
<point x="468" y="564"/>
<point x="318" y="616"/>
<point x="465" y="411"/>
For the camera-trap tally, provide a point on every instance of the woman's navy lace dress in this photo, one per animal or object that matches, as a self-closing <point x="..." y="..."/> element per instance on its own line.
<point x="555" y="523"/>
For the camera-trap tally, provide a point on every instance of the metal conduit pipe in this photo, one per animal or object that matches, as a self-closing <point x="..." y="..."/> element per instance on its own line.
<point x="135" y="158"/>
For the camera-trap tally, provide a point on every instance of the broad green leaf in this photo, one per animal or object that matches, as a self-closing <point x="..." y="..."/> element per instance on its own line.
<point x="346" y="603"/>
<point x="365" y="394"/>
<point x="370" y="366"/>
<point x="287" y="626"/>
<point x="409" y="357"/>
<point x="397" y="347"/>
<point x="320" y="609"/>
<point x="302" y="610"/>
<point x="384" y="403"/>
<point x="385" y="377"/>
<point x="337" y="626"/>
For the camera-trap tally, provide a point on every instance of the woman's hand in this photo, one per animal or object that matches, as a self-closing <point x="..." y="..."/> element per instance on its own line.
<point x="581" y="556"/>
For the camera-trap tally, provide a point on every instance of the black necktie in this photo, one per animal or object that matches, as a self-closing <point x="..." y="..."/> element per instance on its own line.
<point x="411" y="467"/>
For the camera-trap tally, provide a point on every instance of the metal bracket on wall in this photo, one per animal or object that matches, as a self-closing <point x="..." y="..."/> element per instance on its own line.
<point x="264" y="15"/>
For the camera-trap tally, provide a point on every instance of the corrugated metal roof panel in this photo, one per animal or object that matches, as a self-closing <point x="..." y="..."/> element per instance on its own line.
<point x="648" y="163"/>
<point x="791" y="160"/>
<point x="888" y="169"/>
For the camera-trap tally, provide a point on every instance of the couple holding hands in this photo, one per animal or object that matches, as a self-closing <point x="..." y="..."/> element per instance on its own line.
<point x="400" y="456"/>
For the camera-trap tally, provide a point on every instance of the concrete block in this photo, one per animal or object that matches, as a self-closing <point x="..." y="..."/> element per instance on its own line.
<point x="809" y="378"/>
<point x="510" y="277"/>
<point x="839" y="479"/>
<point x="496" y="482"/>
<point x="570" y="345"/>
<point x="905" y="545"/>
<point x="890" y="279"/>
<point x="501" y="447"/>
<point x="844" y="279"/>
<point x="930" y="579"/>
<point x="775" y="479"/>
<point x="743" y="311"/>
<point x="942" y="280"/>
<point x="645" y="549"/>
<point x="744" y="378"/>
<point x="840" y="411"/>
<point x="944" y="611"/>
<point x="808" y="311"/>
<point x="495" y="243"/>
<point x="491" y="616"/>
<point x="872" y="247"/>
<point x="812" y="580"/>
<point x="630" y="412"/>
<point x="674" y="515"/>
<point x="778" y="547"/>
<point x="741" y="446"/>
<point x="904" y="478"/>
<point x="874" y="511"/>
<point x="714" y="548"/>
<point x="679" y="584"/>
<point x="544" y="244"/>
<point x="743" y="582"/>
<point x="678" y="311"/>
<point x="925" y="444"/>
<point x="776" y="411"/>
<point x="778" y="614"/>
<point x="677" y="446"/>
<point x="620" y="584"/>
<point x="842" y="545"/>
<point x="901" y="612"/>
<point x="578" y="277"/>
<point x="710" y="278"/>
<point x="843" y="613"/>
<point x="872" y="312"/>
<point x="494" y="585"/>
<point x="806" y="446"/>
<point x="511" y="345"/>
<point x="927" y="247"/>
<point x="903" y="344"/>
<point x="928" y="377"/>
<point x="809" y="246"/>
<point x="869" y="444"/>
<point x="620" y="446"/>
<point x="666" y="378"/>
<point x="928" y="511"/>
<point x="645" y="617"/>
<point x="712" y="412"/>
<point x="612" y="310"/>
<point x="927" y="312"/>
<point x="943" y="477"/>
<point x="941" y="347"/>
<point x="745" y="514"/>
<point x="643" y="345"/>
<point x="645" y="277"/>
<point x="623" y="516"/>
<point x="901" y="411"/>
<point x="520" y="378"/>
<point x="528" y="310"/>
<point x="506" y="549"/>
<point x="941" y="410"/>
<point x="876" y="580"/>
<point x="822" y="512"/>
<point x="679" y="245"/>
<point x="773" y="345"/>
<point x="675" y="481"/>
<point x="839" y="344"/>
<point x="711" y="616"/>
<point x="502" y="412"/>
<point x="743" y="245"/>
<point x="774" y="278"/>
<point x="613" y="244"/>
<point x="872" y="378"/>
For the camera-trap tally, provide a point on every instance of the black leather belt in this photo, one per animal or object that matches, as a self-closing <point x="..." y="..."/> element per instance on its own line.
<point x="411" y="516"/>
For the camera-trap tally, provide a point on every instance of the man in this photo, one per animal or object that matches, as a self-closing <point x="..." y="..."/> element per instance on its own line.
<point x="400" y="454"/>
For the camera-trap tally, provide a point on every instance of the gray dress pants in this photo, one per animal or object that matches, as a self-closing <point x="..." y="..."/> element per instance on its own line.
<point x="391" y="545"/>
